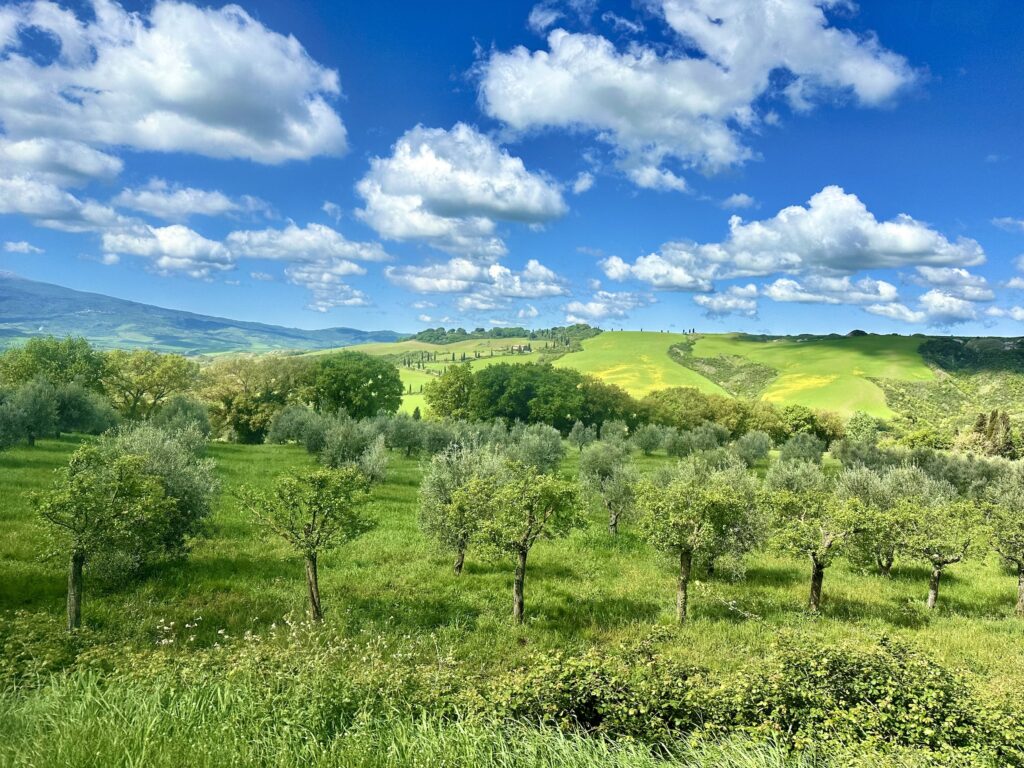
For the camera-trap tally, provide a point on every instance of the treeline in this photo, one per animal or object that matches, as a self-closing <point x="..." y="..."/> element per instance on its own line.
<point x="561" y="335"/>
<point x="560" y="397"/>
<point x="49" y="386"/>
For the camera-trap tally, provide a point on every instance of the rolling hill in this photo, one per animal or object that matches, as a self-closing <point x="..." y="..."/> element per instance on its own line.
<point x="936" y="379"/>
<point x="29" y="308"/>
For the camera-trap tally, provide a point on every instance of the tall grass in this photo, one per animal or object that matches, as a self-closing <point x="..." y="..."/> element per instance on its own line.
<point x="79" y="722"/>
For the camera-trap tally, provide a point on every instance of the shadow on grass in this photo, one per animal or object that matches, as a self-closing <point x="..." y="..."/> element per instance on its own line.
<point x="420" y="614"/>
<point x="568" y="612"/>
<point x="774" y="576"/>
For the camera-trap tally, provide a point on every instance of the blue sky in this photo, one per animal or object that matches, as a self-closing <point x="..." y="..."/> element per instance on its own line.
<point x="786" y="166"/>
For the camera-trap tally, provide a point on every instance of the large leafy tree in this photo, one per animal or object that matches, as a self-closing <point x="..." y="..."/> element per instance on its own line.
<point x="359" y="384"/>
<point x="695" y="510"/>
<point x="246" y="392"/>
<point x="103" y="506"/>
<point x="313" y="512"/>
<point x="59" y="361"/>
<point x="448" y="395"/>
<point x="139" y="381"/>
<point x="521" y="506"/>
<point x="808" y="518"/>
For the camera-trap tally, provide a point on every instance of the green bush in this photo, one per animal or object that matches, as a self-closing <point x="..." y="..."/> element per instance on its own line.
<point x="802" y="446"/>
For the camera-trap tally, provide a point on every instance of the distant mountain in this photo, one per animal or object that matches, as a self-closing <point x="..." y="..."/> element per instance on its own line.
<point x="28" y="308"/>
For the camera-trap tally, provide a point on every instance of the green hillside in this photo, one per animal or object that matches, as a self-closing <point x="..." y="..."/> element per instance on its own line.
<point x="884" y="376"/>
<point x="29" y="308"/>
<point x="638" y="362"/>
<point x="834" y="373"/>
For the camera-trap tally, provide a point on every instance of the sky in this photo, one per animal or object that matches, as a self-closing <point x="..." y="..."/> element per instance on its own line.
<point x="764" y="166"/>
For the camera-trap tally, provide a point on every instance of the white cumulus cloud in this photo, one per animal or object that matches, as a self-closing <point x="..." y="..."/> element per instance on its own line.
<point x="604" y="305"/>
<point x="212" y="81"/>
<point x="176" y="203"/>
<point x="449" y="188"/>
<point x="689" y="104"/>
<point x="834" y="232"/>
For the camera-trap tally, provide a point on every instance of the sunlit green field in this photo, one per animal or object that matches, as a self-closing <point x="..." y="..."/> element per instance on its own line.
<point x="826" y="373"/>
<point x="638" y="362"/>
<point x="591" y="590"/>
<point x="831" y="374"/>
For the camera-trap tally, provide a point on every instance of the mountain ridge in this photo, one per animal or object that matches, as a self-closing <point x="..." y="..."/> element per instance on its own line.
<point x="29" y="308"/>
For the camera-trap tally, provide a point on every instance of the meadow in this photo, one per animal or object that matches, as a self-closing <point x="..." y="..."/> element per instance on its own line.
<point x="826" y="372"/>
<point x="393" y="589"/>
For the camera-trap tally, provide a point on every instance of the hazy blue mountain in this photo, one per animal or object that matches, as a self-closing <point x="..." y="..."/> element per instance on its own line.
<point x="28" y="308"/>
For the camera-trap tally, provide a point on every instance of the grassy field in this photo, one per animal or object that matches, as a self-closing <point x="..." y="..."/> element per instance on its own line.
<point x="826" y="373"/>
<point x="393" y="589"/>
<point x="638" y="362"/>
<point x="589" y="589"/>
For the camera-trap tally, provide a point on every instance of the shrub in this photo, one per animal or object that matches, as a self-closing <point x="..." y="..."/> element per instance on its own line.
<point x="818" y="693"/>
<point x="181" y="412"/>
<point x="802" y="447"/>
<point x="752" y="447"/>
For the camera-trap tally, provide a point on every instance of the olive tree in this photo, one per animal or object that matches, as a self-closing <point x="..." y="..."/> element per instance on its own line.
<point x="581" y="436"/>
<point x="808" y="519"/>
<point x="648" y="438"/>
<point x="539" y="447"/>
<point x="521" y="506"/>
<point x="314" y="512"/>
<point x="941" y="533"/>
<point x="605" y="467"/>
<point x="99" y="506"/>
<point x="887" y="502"/>
<point x="30" y="412"/>
<point x="404" y="433"/>
<point x="802" y="446"/>
<point x="694" y="510"/>
<point x="752" y="447"/>
<point x="1006" y="525"/>
<point x="176" y="460"/>
<point x="181" y="412"/>
<point x="443" y="514"/>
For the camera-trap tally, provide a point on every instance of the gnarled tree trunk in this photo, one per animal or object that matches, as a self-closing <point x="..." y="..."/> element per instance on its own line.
<point x="613" y="521"/>
<point x="933" y="586"/>
<point x="460" y="560"/>
<point x="884" y="563"/>
<point x="75" y="590"/>
<point x="1020" y="590"/>
<point x="817" y="576"/>
<point x="313" y="585"/>
<point x="682" y="596"/>
<point x="517" y="587"/>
